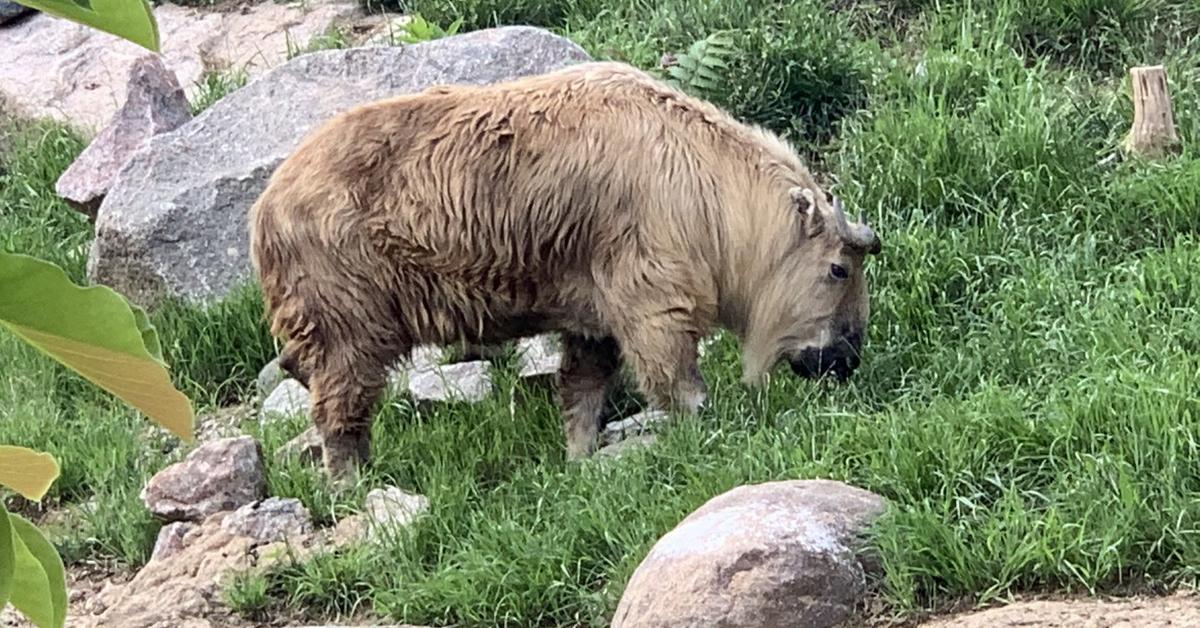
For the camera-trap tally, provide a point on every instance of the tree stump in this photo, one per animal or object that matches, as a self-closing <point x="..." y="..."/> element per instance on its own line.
<point x="1153" y="133"/>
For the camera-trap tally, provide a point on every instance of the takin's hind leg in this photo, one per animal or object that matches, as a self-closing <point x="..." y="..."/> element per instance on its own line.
<point x="587" y="370"/>
<point x="344" y="393"/>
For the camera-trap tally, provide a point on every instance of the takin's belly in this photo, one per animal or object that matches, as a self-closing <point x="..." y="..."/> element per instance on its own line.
<point x="491" y="312"/>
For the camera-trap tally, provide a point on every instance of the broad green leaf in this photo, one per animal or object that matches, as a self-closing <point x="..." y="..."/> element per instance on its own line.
<point x="7" y="556"/>
<point x="26" y="471"/>
<point x="149" y="333"/>
<point x="129" y="19"/>
<point x="96" y="333"/>
<point x="39" y="586"/>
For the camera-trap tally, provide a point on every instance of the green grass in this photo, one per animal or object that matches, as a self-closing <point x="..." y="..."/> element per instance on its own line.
<point x="215" y="85"/>
<point x="1028" y="403"/>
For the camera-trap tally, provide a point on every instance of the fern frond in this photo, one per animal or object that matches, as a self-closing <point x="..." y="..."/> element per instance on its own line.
<point x="701" y="69"/>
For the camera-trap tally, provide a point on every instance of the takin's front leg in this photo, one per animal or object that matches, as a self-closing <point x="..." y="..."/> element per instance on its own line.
<point x="587" y="369"/>
<point x="665" y="361"/>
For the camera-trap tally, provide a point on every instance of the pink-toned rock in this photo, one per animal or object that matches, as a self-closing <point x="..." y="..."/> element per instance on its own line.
<point x="170" y="539"/>
<point x="773" y="555"/>
<point x="57" y="68"/>
<point x="220" y="475"/>
<point x="154" y="103"/>
<point x="183" y="591"/>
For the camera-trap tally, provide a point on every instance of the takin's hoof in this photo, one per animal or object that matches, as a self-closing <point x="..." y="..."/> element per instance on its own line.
<point x="344" y="454"/>
<point x="580" y="451"/>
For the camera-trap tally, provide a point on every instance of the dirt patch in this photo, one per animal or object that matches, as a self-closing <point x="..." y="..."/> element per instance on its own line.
<point x="1174" y="611"/>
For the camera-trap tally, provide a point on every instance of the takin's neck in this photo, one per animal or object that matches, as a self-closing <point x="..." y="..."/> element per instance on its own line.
<point x="754" y="239"/>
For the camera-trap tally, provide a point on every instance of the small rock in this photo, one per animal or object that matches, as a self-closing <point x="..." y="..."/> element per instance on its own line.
<point x="289" y="399"/>
<point x="271" y="520"/>
<point x="220" y="475"/>
<point x="269" y="378"/>
<point x="539" y="356"/>
<point x="625" y="445"/>
<point x="425" y="357"/>
<point x="349" y="531"/>
<point x="397" y="380"/>
<point x="384" y="510"/>
<point x="308" y="446"/>
<point x="778" y="555"/>
<point x="636" y="425"/>
<point x="464" y="381"/>
<point x="393" y="507"/>
<point x="154" y="103"/>
<point x="10" y="11"/>
<point x="219" y="423"/>
<point x="170" y="539"/>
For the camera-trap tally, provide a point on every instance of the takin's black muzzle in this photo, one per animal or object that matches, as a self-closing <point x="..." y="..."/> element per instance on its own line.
<point x="839" y="359"/>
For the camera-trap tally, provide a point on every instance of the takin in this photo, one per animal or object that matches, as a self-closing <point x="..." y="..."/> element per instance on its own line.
<point x="594" y="202"/>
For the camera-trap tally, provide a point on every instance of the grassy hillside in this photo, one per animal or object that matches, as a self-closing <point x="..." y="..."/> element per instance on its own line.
<point x="1029" y="400"/>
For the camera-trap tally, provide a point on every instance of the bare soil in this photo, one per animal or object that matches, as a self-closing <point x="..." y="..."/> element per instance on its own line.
<point x="1173" y="611"/>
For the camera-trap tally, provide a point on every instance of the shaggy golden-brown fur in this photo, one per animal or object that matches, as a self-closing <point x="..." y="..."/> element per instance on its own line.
<point x="592" y="201"/>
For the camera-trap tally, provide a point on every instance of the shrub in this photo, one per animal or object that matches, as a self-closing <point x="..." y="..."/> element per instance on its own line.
<point x="801" y="69"/>
<point x="795" y="68"/>
<point x="1090" y="32"/>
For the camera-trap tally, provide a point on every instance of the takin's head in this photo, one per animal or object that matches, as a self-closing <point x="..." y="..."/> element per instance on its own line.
<point x="812" y="307"/>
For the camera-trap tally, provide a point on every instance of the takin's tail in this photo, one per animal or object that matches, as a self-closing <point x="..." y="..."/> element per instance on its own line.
<point x="279" y="255"/>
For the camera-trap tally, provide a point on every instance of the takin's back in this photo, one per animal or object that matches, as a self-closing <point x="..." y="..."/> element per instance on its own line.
<point x="517" y="191"/>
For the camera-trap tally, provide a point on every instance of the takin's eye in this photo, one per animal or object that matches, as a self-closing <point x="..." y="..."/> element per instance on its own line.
<point x="838" y="272"/>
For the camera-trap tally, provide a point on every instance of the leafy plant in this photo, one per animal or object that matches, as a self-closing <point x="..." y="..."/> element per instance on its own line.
<point x="128" y="19"/>
<point x="418" y="30"/>
<point x="703" y="68"/>
<point x="333" y="38"/>
<point x="96" y="333"/>
<point x="92" y="331"/>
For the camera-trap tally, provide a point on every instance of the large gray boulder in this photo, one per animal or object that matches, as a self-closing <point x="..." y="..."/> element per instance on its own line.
<point x="773" y="555"/>
<point x="174" y="222"/>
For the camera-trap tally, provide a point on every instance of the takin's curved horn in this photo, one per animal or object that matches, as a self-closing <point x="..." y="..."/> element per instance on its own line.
<point x="857" y="235"/>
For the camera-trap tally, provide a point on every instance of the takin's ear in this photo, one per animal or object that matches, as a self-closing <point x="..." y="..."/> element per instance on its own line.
<point x="805" y="204"/>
